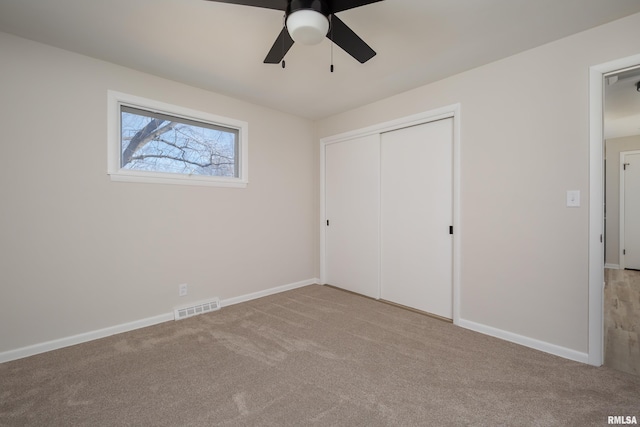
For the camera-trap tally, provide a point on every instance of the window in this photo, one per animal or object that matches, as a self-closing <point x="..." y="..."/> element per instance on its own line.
<point x="151" y="141"/>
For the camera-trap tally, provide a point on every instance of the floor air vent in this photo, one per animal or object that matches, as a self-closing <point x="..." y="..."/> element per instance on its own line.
<point x="198" y="308"/>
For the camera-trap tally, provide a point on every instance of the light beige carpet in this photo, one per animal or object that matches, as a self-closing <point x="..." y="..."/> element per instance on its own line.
<point x="311" y="356"/>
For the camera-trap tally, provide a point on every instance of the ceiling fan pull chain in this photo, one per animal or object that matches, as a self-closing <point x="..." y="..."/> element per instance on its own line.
<point x="284" y="25"/>
<point x="331" y="38"/>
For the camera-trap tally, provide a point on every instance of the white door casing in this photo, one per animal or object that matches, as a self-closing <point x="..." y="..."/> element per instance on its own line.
<point x="451" y="111"/>
<point x="596" y="202"/>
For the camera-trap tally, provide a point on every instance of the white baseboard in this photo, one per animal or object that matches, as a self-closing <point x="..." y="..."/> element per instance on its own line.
<point x="32" y="350"/>
<point x="80" y="338"/>
<point x="612" y="266"/>
<point x="526" y="341"/>
<point x="266" y="292"/>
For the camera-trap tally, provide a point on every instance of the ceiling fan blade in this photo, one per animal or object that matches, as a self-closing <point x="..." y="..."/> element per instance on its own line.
<point x="267" y="4"/>
<point x="349" y="41"/>
<point x="280" y="48"/>
<point x="340" y="5"/>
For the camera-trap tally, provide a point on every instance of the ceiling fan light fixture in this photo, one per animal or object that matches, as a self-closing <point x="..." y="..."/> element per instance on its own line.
<point x="307" y="26"/>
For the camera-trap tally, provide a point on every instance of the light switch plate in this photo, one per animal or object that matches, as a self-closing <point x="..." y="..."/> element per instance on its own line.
<point x="573" y="198"/>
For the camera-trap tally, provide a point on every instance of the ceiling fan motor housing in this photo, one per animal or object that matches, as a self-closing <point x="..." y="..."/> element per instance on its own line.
<point x="307" y="20"/>
<point x="320" y="6"/>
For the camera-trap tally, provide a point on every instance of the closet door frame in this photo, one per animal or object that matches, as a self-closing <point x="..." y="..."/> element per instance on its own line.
<point x="450" y="111"/>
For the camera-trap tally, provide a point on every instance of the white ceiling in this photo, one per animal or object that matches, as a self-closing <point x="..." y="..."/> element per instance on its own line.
<point x="220" y="47"/>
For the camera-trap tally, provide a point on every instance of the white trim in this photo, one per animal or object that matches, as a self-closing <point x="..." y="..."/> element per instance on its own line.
<point x="161" y="178"/>
<point x="115" y="99"/>
<point x="457" y="208"/>
<point x="596" y="218"/>
<point x="323" y="215"/>
<point x="556" y="350"/>
<point x="596" y="203"/>
<point x="84" y="337"/>
<point x="450" y="111"/>
<point x="248" y="297"/>
<point x="612" y="266"/>
<point x="621" y="208"/>
<point x="403" y="122"/>
<point x="32" y="350"/>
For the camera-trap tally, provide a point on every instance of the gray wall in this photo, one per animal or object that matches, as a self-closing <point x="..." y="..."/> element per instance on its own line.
<point x="79" y="253"/>
<point x="524" y="143"/>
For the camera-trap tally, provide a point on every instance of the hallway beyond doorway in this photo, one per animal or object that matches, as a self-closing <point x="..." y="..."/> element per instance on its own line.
<point x="622" y="320"/>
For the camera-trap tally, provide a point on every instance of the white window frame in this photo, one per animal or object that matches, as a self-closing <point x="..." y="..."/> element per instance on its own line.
<point x="117" y="173"/>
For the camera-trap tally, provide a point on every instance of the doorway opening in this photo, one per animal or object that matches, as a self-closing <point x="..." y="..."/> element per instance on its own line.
<point x="600" y="76"/>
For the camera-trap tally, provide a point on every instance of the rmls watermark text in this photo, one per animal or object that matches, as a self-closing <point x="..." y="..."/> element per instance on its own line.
<point x="622" y="420"/>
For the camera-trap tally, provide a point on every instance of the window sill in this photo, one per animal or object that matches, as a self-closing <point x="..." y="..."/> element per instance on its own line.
<point x="194" y="180"/>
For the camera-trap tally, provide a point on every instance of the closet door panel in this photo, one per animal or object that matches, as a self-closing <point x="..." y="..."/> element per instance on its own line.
<point x="416" y="213"/>
<point x="352" y="203"/>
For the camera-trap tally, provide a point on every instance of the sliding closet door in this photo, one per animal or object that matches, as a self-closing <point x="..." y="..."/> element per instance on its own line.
<point x="352" y="203"/>
<point x="416" y="212"/>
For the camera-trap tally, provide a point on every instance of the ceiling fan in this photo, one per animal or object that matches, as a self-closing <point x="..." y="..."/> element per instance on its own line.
<point x="309" y="22"/>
